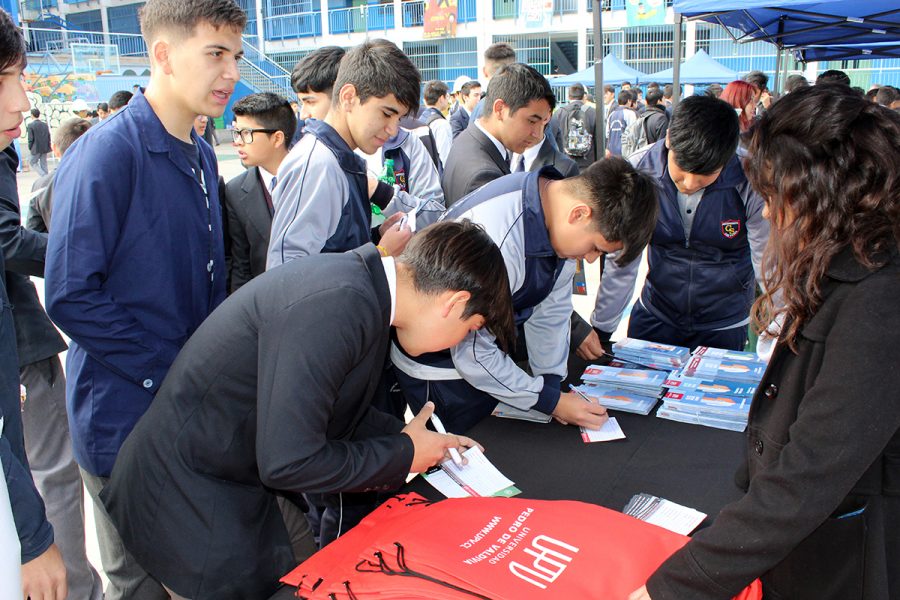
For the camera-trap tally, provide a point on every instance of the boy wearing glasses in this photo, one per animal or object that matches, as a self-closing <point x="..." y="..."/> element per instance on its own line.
<point x="322" y="195"/>
<point x="264" y="124"/>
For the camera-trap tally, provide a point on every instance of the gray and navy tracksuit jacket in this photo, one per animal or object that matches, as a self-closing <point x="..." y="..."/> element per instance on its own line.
<point x="701" y="281"/>
<point x="321" y="198"/>
<point x="467" y="382"/>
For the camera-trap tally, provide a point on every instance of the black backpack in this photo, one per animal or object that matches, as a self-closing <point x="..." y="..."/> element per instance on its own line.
<point x="576" y="137"/>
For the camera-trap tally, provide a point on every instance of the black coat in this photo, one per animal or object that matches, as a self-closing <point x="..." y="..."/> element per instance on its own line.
<point x="38" y="137"/>
<point x="548" y="155"/>
<point x="459" y="121"/>
<point x="24" y="250"/>
<point x="474" y="160"/>
<point x="821" y="516"/>
<point x="272" y="392"/>
<point x="249" y="226"/>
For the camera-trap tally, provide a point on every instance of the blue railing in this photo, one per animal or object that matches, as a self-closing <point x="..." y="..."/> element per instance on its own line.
<point x="368" y="17"/>
<point x="278" y="74"/>
<point x="506" y="9"/>
<point x="129" y="44"/>
<point x="413" y="13"/>
<point x="297" y="25"/>
<point x="565" y="7"/>
<point x="465" y="11"/>
<point x="59" y="40"/>
<point x="607" y="5"/>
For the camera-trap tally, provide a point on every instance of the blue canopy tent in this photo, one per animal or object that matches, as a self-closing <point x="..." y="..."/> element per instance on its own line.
<point x="848" y="52"/>
<point x="798" y="25"/>
<point x="615" y="72"/>
<point x="700" y="68"/>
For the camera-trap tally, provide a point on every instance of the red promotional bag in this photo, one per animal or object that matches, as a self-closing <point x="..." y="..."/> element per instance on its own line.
<point x="493" y="548"/>
<point x="332" y="560"/>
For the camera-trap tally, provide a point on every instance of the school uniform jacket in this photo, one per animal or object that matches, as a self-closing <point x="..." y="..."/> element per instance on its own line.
<point x="821" y="516"/>
<point x="459" y="121"/>
<point x="541" y="283"/>
<point x="249" y="225"/>
<point x="321" y="198"/>
<point x="474" y="160"/>
<point x="698" y="283"/>
<point x="35" y="533"/>
<point x="271" y="394"/>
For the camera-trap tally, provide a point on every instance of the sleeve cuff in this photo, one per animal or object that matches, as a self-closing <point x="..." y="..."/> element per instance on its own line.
<point x="548" y="398"/>
<point x="38" y="544"/>
<point x="605" y="336"/>
<point x="383" y="195"/>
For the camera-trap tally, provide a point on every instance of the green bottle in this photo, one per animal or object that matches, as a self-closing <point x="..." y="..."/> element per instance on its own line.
<point x="387" y="174"/>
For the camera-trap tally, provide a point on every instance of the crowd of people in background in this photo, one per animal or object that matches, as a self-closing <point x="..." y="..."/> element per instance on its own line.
<point x="242" y="354"/>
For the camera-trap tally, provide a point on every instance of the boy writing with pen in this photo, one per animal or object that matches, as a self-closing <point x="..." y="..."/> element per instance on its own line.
<point x="274" y="396"/>
<point x="541" y="222"/>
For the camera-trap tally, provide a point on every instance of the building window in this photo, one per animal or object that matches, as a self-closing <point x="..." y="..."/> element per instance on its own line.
<point x="444" y="59"/>
<point x="90" y="20"/>
<point x="124" y="19"/>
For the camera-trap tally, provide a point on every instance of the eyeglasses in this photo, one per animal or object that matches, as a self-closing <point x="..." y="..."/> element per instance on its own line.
<point x="246" y="135"/>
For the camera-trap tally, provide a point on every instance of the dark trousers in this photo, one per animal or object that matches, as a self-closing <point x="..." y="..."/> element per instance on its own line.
<point x="644" y="326"/>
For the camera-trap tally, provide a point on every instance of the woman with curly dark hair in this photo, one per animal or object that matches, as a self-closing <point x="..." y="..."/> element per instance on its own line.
<point x="821" y="514"/>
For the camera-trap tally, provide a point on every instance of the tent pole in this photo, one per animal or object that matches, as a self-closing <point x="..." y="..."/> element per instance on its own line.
<point x="775" y="86"/>
<point x="600" y="115"/>
<point x="676" y="65"/>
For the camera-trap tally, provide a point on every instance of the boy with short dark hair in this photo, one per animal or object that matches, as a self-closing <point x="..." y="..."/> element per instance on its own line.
<point x="119" y="100"/>
<point x="304" y="347"/>
<point x="322" y="195"/>
<point x="517" y="107"/>
<point x="437" y="100"/>
<point x="39" y="209"/>
<point x="469" y="96"/>
<point x="135" y="260"/>
<point x="38" y="143"/>
<point x="619" y="120"/>
<point x="313" y="80"/>
<point x="541" y="222"/>
<point x="707" y="244"/>
<point x="264" y="125"/>
<point x="496" y="57"/>
<point x="579" y="119"/>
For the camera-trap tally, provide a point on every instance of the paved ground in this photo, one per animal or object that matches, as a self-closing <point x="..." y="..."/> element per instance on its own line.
<point x="229" y="167"/>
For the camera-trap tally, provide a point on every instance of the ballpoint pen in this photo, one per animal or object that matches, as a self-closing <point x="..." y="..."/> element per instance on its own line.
<point x="439" y="427"/>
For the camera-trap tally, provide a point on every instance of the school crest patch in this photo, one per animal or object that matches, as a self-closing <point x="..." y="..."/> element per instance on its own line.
<point x="730" y="229"/>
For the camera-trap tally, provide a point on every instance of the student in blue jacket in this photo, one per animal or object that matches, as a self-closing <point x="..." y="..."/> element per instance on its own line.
<point x="135" y="260"/>
<point x="418" y="182"/>
<point x="322" y="198"/>
<point x="43" y="572"/>
<point x="705" y="253"/>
